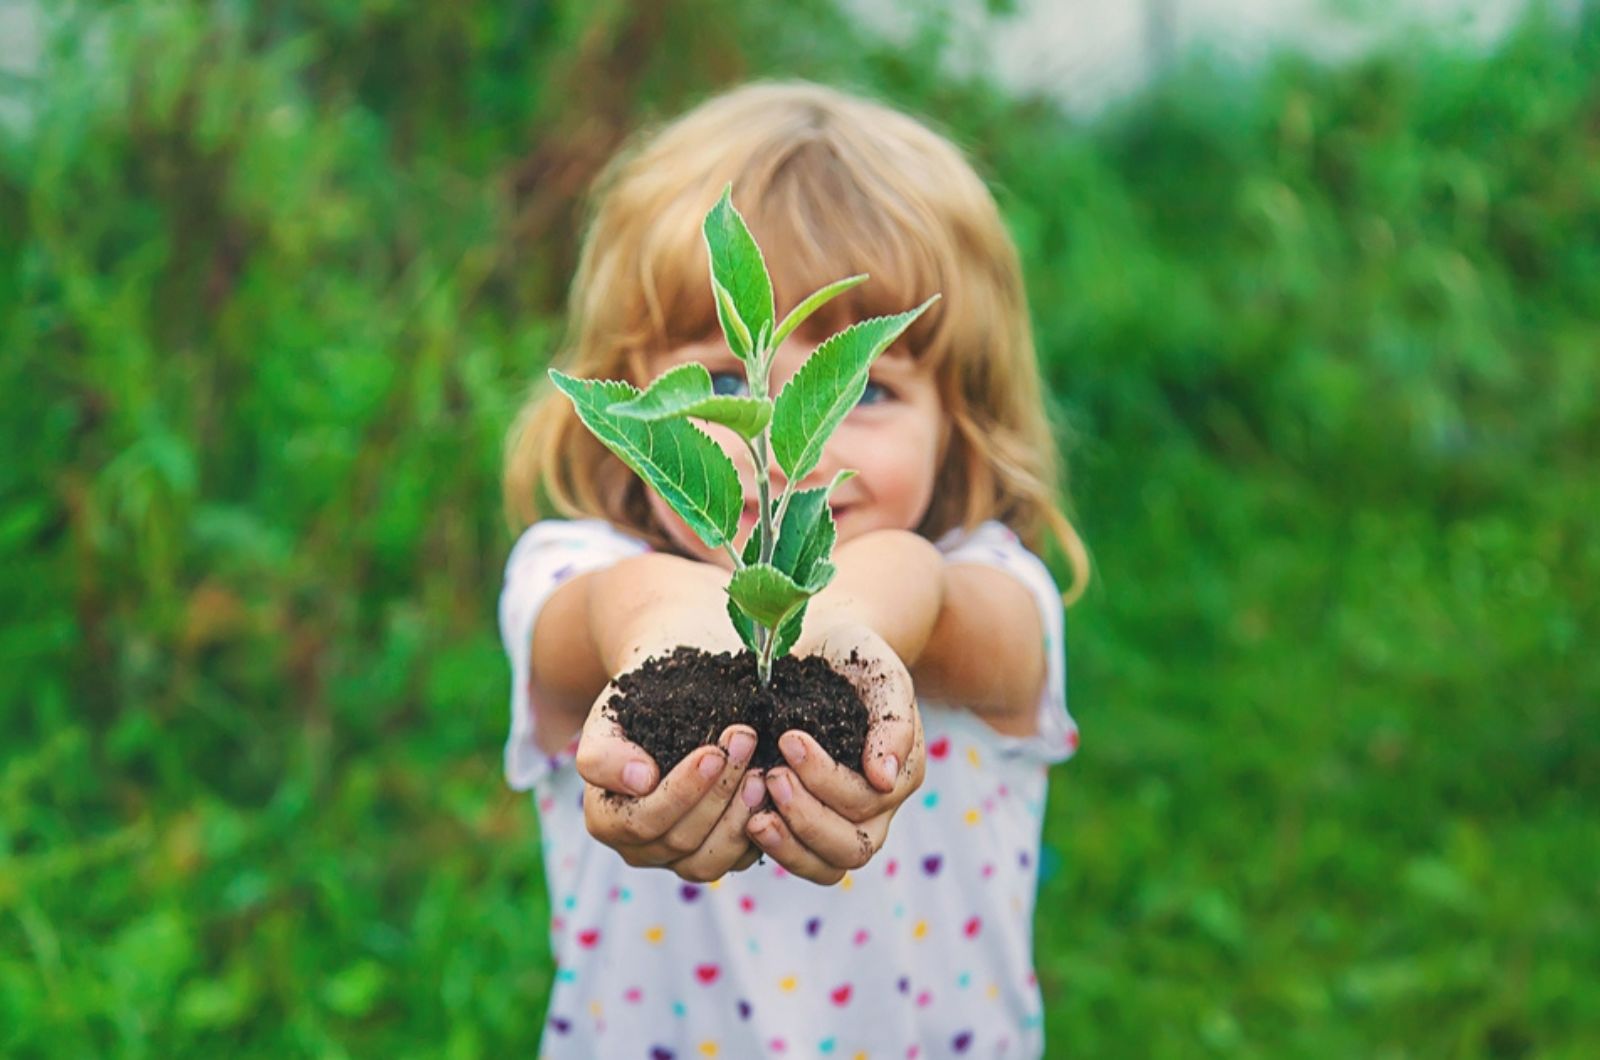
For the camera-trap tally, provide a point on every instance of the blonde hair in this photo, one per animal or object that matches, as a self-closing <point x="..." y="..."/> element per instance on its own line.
<point x="830" y="185"/>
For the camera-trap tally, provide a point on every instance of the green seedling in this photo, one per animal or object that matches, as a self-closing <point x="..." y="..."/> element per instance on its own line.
<point x="786" y="559"/>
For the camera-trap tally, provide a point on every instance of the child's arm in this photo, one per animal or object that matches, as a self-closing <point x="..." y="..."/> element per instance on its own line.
<point x="607" y="622"/>
<point x="969" y="634"/>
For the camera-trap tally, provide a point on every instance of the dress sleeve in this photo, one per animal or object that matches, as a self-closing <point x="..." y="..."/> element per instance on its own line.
<point x="547" y="554"/>
<point x="994" y="544"/>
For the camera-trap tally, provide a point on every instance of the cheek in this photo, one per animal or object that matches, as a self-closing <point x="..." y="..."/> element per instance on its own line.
<point x="685" y="539"/>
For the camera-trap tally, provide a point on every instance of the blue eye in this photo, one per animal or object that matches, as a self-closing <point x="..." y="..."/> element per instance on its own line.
<point x="876" y="393"/>
<point x="729" y="384"/>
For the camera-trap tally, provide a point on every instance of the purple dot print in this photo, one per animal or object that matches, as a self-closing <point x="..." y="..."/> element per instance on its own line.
<point x="744" y="1009"/>
<point x="689" y="891"/>
<point x="903" y="985"/>
<point x="931" y="863"/>
<point x="661" y="1052"/>
<point x="961" y="1042"/>
<point x="562" y="1026"/>
<point x="813" y="926"/>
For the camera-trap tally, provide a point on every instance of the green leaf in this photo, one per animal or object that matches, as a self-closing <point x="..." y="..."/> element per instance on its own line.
<point x="827" y="387"/>
<point x="733" y="327"/>
<point x="766" y="594"/>
<point x="801" y="312"/>
<point x="686" y="391"/>
<point x="737" y="266"/>
<point x="807" y="535"/>
<point x="744" y="624"/>
<point x="677" y="459"/>
<point x="788" y="632"/>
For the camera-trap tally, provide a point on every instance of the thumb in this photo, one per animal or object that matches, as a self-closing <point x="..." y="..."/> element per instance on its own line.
<point x="608" y="759"/>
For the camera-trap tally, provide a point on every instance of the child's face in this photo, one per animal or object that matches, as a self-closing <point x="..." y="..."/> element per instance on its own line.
<point x="893" y="439"/>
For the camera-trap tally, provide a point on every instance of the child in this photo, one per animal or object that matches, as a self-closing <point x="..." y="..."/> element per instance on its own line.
<point x="923" y="945"/>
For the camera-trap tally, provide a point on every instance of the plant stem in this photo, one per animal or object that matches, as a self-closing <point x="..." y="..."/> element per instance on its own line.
<point x="769" y="643"/>
<point x="767" y="539"/>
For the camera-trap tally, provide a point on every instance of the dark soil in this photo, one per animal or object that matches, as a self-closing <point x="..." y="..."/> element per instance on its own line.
<point x="674" y="704"/>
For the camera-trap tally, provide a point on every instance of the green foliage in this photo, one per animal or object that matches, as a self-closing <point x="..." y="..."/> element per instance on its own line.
<point x="675" y="457"/>
<point x="273" y="278"/>
<point x="810" y="304"/>
<point x="685" y="391"/>
<point x="739" y="278"/>
<point x="768" y="603"/>
<point x="805" y="540"/>
<point x="815" y="401"/>
<point x="768" y="595"/>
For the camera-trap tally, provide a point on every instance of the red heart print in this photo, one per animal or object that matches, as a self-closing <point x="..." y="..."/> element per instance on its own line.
<point x="707" y="973"/>
<point x="841" y="995"/>
<point x="588" y="938"/>
<point x="939" y="748"/>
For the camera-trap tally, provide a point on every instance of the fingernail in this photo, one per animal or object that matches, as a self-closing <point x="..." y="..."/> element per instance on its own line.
<point x="892" y="765"/>
<point x="710" y="765"/>
<point x="636" y="777"/>
<point x="794" y="748"/>
<point x="754" y="791"/>
<point x="781" y="791"/>
<point x="741" y="747"/>
<point x="765" y="834"/>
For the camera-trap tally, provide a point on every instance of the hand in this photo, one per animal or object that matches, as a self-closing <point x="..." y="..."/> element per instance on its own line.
<point x="829" y="818"/>
<point x="692" y="822"/>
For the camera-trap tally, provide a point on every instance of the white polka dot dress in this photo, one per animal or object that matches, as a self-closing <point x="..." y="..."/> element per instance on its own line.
<point x="925" y="952"/>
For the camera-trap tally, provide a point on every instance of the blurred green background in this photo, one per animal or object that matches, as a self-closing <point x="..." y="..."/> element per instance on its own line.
<point x="273" y="278"/>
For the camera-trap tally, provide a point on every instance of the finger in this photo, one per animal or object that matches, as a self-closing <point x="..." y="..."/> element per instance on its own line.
<point x="778" y="843"/>
<point x="727" y="848"/>
<point x="841" y="788"/>
<point x="748" y="858"/>
<point x="886" y="691"/>
<point x="839" y="842"/>
<point x="618" y="820"/>
<point x="691" y="830"/>
<point x="608" y="759"/>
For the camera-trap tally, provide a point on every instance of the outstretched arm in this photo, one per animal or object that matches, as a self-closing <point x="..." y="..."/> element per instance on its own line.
<point x="605" y="623"/>
<point x="896" y="610"/>
<point x="969" y="633"/>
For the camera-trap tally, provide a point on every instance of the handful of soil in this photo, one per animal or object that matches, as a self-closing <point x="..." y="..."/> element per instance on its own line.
<point x="673" y="704"/>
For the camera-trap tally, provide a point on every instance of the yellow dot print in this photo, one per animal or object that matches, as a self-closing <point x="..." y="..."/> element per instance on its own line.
<point x="708" y="1048"/>
<point x="920" y="930"/>
<point x="847" y="882"/>
<point x="788" y="983"/>
<point x="972" y="756"/>
<point x="993" y="991"/>
<point x="860" y="1056"/>
<point x="972" y="816"/>
<point x="655" y="934"/>
<point x="596" y="1009"/>
<point x="715" y="885"/>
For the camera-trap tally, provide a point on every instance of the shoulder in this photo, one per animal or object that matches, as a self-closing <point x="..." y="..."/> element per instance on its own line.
<point x="576" y="535"/>
<point x="550" y="553"/>
<point x="994" y="544"/>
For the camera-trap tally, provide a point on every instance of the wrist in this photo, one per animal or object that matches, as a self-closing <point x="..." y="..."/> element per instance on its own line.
<point x="648" y="605"/>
